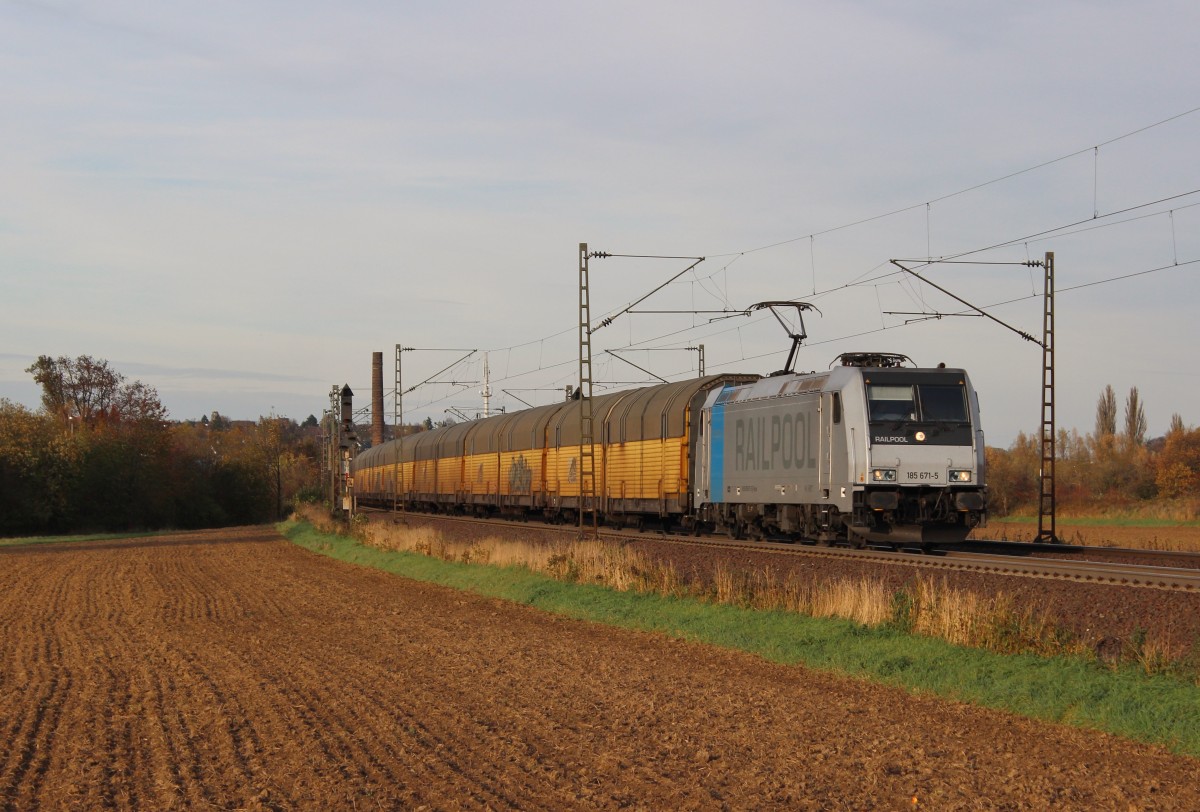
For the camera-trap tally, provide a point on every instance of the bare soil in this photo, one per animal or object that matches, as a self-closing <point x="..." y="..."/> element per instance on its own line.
<point x="232" y="669"/>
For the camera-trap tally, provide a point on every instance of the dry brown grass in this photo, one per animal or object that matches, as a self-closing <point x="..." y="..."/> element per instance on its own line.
<point x="929" y="606"/>
<point x="594" y="562"/>
<point x="863" y="600"/>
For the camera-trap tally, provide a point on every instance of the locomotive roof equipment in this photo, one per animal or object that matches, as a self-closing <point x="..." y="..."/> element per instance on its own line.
<point x="797" y="338"/>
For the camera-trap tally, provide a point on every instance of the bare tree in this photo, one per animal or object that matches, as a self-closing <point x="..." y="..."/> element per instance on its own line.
<point x="1177" y="426"/>
<point x="1106" y="413"/>
<point x="1135" y="419"/>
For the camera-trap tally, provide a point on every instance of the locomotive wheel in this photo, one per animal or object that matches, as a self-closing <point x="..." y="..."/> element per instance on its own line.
<point x="854" y="539"/>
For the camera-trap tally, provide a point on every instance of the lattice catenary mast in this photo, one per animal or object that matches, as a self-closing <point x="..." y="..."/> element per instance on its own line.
<point x="587" y="450"/>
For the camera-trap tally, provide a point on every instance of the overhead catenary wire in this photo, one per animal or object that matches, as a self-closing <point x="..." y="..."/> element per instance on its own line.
<point x="1068" y="229"/>
<point x="1042" y="234"/>
<point x="1066" y="289"/>
<point x="869" y="277"/>
<point x="734" y="256"/>
<point x="743" y="357"/>
<point x="992" y="305"/>
<point x="975" y="187"/>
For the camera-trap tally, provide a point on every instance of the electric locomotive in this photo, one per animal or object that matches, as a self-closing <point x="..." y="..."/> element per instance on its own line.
<point x="870" y="451"/>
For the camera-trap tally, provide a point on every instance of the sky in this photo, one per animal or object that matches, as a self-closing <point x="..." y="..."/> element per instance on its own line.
<point x="237" y="203"/>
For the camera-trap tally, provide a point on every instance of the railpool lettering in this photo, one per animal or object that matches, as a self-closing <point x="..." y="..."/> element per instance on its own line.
<point x="777" y="442"/>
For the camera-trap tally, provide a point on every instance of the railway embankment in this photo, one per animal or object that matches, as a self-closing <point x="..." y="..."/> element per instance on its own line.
<point x="1128" y="692"/>
<point x="1014" y="609"/>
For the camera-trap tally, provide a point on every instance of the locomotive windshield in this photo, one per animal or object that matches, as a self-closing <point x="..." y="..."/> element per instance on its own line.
<point x="892" y="402"/>
<point x="924" y="402"/>
<point x="941" y="402"/>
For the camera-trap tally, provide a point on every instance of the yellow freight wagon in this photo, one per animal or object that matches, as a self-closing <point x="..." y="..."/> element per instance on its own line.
<point x="530" y="462"/>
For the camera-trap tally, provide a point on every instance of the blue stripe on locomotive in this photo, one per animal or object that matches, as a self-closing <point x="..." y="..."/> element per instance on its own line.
<point x="716" y="461"/>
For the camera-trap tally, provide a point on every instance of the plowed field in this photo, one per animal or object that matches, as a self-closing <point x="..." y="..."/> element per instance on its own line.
<point x="231" y="669"/>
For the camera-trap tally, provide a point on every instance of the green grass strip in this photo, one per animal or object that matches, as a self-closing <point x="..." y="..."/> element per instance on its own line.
<point x="1156" y="709"/>
<point x="14" y="542"/>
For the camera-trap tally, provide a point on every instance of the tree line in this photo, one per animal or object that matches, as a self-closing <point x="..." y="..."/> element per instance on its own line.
<point x="1112" y="468"/>
<point x="101" y="455"/>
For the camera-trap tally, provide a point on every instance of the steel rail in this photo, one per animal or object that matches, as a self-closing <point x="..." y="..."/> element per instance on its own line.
<point x="1023" y="548"/>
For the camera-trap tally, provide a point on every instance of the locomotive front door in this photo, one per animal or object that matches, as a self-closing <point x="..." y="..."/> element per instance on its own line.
<point x="835" y="465"/>
<point x="826" y="458"/>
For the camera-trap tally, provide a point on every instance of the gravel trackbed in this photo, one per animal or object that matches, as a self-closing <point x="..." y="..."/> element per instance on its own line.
<point x="230" y="669"/>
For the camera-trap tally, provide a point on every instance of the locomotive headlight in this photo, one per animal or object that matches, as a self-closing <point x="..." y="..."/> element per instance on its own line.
<point x="960" y="475"/>
<point x="883" y="474"/>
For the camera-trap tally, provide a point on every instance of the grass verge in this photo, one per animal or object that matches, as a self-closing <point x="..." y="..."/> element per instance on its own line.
<point x="13" y="542"/>
<point x="1126" y="702"/>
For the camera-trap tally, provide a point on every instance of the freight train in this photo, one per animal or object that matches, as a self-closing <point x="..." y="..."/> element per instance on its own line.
<point x="869" y="451"/>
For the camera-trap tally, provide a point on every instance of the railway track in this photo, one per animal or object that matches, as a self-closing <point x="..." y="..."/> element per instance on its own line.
<point x="1015" y="559"/>
<point x="1165" y="558"/>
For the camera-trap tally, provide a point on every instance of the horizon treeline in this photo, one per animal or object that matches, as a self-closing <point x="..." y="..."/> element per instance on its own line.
<point x="100" y="455"/>
<point x="1113" y="469"/>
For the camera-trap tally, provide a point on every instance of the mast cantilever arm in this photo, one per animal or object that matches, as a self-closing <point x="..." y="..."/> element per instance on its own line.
<point x="980" y="311"/>
<point x="439" y="372"/>
<point x="643" y="369"/>
<point x="609" y="319"/>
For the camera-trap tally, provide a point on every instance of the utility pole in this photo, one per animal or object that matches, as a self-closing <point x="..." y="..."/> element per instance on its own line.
<point x="486" y="392"/>
<point x="587" y="449"/>
<point x="398" y="413"/>
<point x="332" y="447"/>
<point x="398" y="432"/>
<point x="588" y="501"/>
<point x="1046" y="506"/>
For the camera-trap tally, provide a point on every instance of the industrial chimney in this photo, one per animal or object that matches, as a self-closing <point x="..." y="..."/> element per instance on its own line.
<point x="377" y="398"/>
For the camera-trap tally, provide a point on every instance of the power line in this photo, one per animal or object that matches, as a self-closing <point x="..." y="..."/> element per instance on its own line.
<point x="1039" y="234"/>
<point x="736" y="255"/>
<point x="859" y="281"/>
<point x="992" y="305"/>
<point x="968" y="189"/>
<point x="861" y="334"/>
